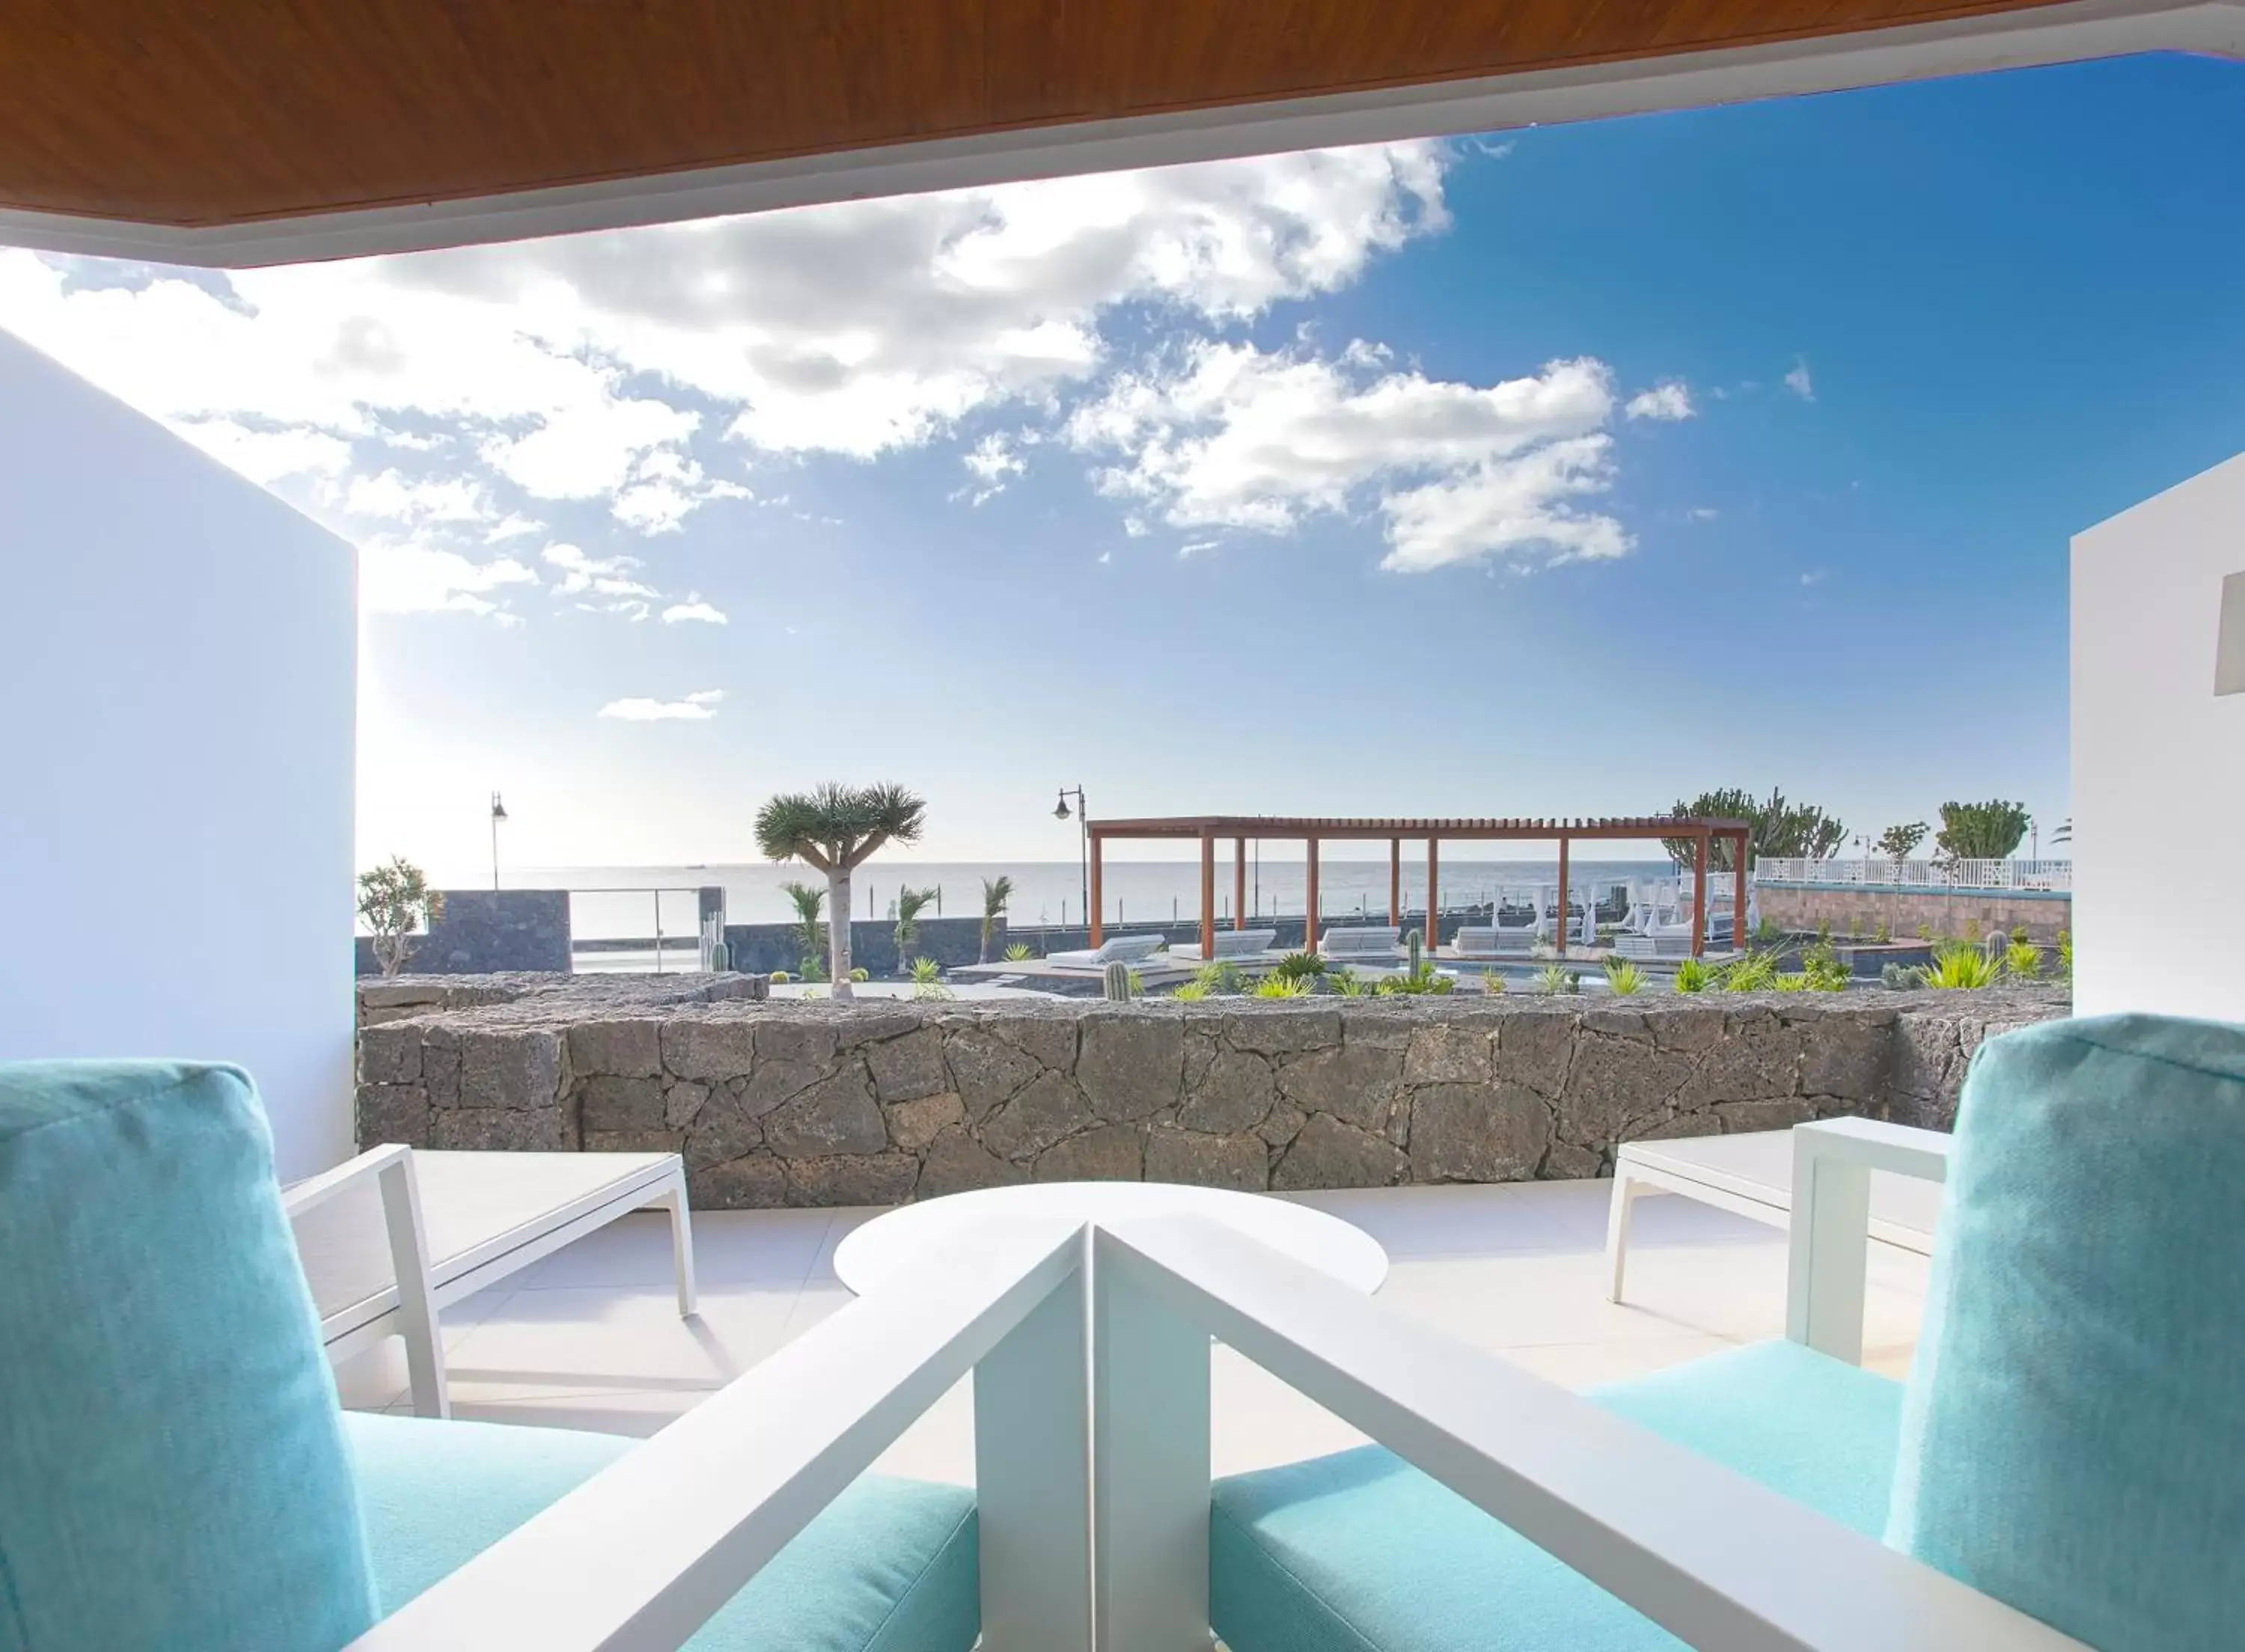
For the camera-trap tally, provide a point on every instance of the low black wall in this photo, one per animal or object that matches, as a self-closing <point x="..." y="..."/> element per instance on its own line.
<point x="489" y="931"/>
<point x="762" y="948"/>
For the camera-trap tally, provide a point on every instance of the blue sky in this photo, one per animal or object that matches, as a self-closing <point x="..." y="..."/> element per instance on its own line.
<point x="1566" y="471"/>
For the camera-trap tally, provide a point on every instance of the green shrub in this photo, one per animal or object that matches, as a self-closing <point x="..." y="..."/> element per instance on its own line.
<point x="927" y="979"/>
<point x="1755" y="972"/>
<point x="1883" y="933"/>
<point x="2065" y="954"/>
<point x="1792" y="983"/>
<point x="1826" y="975"/>
<point x="1904" y="978"/>
<point x="1558" y="979"/>
<point x="1192" y="992"/>
<point x="2022" y="958"/>
<point x="1018" y="953"/>
<point x="1424" y="980"/>
<point x="1767" y="932"/>
<point x="1624" y="978"/>
<point x="1213" y="978"/>
<point x="1347" y="983"/>
<point x="861" y="975"/>
<point x="1694" y="976"/>
<point x="780" y="977"/>
<point x="1299" y="966"/>
<point x="1275" y="986"/>
<point x="1957" y="966"/>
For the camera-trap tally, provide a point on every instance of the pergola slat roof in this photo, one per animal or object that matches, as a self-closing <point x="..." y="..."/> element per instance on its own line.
<point x="1701" y="831"/>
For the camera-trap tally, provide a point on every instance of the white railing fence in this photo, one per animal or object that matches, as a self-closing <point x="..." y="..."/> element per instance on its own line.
<point x="1930" y="875"/>
<point x="1092" y="1467"/>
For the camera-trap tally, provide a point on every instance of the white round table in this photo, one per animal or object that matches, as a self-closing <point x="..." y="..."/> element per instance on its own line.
<point x="891" y="1244"/>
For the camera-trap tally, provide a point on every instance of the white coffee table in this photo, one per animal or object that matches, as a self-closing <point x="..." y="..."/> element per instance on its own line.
<point x="890" y="1245"/>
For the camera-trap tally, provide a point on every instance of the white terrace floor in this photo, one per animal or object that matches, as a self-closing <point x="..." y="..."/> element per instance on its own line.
<point x="591" y="1337"/>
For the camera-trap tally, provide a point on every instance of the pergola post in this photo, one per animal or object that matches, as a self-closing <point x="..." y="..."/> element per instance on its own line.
<point x="1701" y="844"/>
<point x="1207" y="894"/>
<point x="1239" y="882"/>
<point x="1395" y="882"/>
<point x="1738" y="894"/>
<point x="1433" y="895"/>
<point x="1097" y="898"/>
<point x="1310" y="904"/>
<point x="1565" y="843"/>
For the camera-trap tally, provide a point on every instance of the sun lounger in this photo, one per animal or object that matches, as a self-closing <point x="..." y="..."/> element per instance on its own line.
<point x="1123" y="949"/>
<point x="1366" y="941"/>
<point x="481" y="1216"/>
<point x="1232" y="945"/>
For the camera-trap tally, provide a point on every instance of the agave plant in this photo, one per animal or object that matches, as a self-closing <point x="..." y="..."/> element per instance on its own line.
<point x="2066" y="951"/>
<point x="1213" y="978"/>
<point x="1190" y="992"/>
<point x="835" y="830"/>
<point x="1018" y="953"/>
<point x="1956" y="965"/>
<point x="2023" y="959"/>
<point x="1425" y="980"/>
<point x="1347" y="983"/>
<point x="1275" y="986"/>
<point x="1624" y="978"/>
<point x="1792" y="983"/>
<point x="1755" y="972"/>
<point x="1693" y="975"/>
<point x="1557" y="978"/>
<point x="1300" y="966"/>
<point x="927" y="979"/>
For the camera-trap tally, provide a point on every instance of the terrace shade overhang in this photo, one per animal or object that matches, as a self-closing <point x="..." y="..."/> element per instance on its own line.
<point x="1701" y="832"/>
<point x="274" y="130"/>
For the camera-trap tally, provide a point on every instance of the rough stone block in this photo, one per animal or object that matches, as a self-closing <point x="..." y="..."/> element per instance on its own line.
<point x="682" y="1104"/>
<point x="393" y="1112"/>
<point x="810" y="1044"/>
<point x="1234" y="1093"/>
<point x="389" y="1055"/>
<point x="632" y="1142"/>
<point x="1047" y="1039"/>
<point x="847" y="1178"/>
<point x="502" y="1130"/>
<point x="1758" y="1059"/>
<point x="1284" y="1124"/>
<point x="955" y="1162"/>
<point x="619" y="1049"/>
<point x="722" y="1132"/>
<point x="1048" y="1110"/>
<point x="774" y="1083"/>
<point x="986" y="1070"/>
<point x="1105" y="1153"/>
<point x="1614" y="1083"/>
<point x="836" y="1115"/>
<point x="913" y="1124"/>
<point x="1356" y="1083"/>
<point x="695" y="1048"/>
<point x="755" y="1181"/>
<point x="1448" y="1052"/>
<point x="516" y="1070"/>
<point x="1282" y="1030"/>
<point x="1534" y="1047"/>
<point x="1240" y="1162"/>
<point x="1477" y="1133"/>
<point x="907" y="1068"/>
<point x="1131" y="1065"/>
<point x="1738" y="1117"/>
<point x="1843" y="1055"/>
<point x="608" y="1104"/>
<point x="1328" y="1154"/>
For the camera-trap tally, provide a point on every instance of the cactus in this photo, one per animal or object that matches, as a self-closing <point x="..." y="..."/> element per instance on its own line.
<point x="1415" y="946"/>
<point x="721" y="959"/>
<point x="1118" y="983"/>
<point x="1997" y="946"/>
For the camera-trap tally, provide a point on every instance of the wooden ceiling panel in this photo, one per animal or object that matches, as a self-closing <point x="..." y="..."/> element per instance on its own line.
<point x="207" y="112"/>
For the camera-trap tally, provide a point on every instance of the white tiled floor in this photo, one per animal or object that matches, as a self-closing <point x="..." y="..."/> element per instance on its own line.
<point x="591" y="1337"/>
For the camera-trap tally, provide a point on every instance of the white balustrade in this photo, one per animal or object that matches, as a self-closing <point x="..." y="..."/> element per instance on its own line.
<point x="2040" y="875"/>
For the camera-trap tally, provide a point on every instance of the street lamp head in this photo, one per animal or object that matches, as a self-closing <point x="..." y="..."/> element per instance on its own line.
<point x="498" y="810"/>
<point x="1059" y="810"/>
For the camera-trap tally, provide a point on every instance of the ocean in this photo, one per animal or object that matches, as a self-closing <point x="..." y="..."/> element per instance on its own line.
<point x="617" y="900"/>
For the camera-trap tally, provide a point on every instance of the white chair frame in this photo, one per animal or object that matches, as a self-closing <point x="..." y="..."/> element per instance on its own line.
<point x="416" y="1313"/>
<point x="1094" y="1518"/>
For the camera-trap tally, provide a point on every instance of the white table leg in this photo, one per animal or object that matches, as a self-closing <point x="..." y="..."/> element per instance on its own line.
<point x="1625" y="1189"/>
<point x="1032" y="1480"/>
<point x="1150" y="1476"/>
<point x="682" y="1242"/>
<point x="1829" y="1248"/>
<point x="417" y="1306"/>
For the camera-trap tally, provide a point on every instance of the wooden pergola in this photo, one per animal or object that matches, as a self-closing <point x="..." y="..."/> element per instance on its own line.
<point x="1313" y="831"/>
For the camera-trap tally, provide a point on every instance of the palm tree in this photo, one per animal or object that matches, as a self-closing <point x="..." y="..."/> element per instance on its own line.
<point x="809" y="902"/>
<point x="996" y="891"/>
<point x="911" y="903"/>
<point x="835" y="830"/>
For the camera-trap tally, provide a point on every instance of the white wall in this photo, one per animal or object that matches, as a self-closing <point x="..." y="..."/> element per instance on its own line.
<point x="178" y="655"/>
<point x="2158" y="758"/>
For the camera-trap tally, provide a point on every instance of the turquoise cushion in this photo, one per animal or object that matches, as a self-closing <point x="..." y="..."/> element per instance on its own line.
<point x="889" y="1566"/>
<point x="2069" y="1436"/>
<point x="173" y="1471"/>
<point x="1361" y="1553"/>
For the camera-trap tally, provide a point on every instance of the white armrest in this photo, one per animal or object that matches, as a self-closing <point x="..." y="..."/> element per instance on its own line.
<point x="1716" y="1558"/>
<point x="1830" y="1222"/>
<point x="637" y="1558"/>
<point x="391" y="1167"/>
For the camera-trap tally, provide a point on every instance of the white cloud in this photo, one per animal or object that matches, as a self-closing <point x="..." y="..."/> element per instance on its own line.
<point x="1195" y="547"/>
<point x="692" y="611"/>
<point x="396" y="497"/>
<point x="1815" y="576"/>
<point x="1798" y="380"/>
<point x="1230" y="436"/>
<point x="409" y="577"/>
<point x="693" y="708"/>
<point x="992" y="461"/>
<point x="1669" y="401"/>
<point x="1703" y="513"/>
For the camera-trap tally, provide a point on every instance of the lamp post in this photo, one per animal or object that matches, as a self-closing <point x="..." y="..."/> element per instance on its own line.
<point x="499" y="814"/>
<point x="1084" y="843"/>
